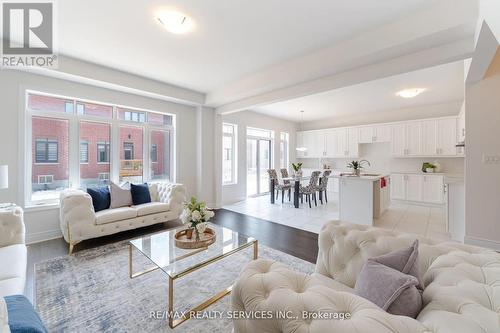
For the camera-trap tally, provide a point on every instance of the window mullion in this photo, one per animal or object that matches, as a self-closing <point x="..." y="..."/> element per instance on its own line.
<point x="74" y="153"/>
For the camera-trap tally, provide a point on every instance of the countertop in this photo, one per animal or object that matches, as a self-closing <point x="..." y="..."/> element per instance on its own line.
<point x="367" y="178"/>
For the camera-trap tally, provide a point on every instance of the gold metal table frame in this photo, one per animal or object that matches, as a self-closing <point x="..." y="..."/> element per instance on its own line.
<point x="171" y="278"/>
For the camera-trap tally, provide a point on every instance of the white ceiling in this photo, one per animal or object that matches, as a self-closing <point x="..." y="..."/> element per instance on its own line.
<point x="443" y="83"/>
<point x="232" y="37"/>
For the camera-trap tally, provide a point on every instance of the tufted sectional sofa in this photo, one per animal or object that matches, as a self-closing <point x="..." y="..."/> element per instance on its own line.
<point x="79" y="222"/>
<point x="462" y="287"/>
<point x="13" y="253"/>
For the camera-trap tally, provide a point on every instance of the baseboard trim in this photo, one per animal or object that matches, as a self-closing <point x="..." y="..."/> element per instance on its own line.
<point x="482" y="242"/>
<point x="37" y="237"/>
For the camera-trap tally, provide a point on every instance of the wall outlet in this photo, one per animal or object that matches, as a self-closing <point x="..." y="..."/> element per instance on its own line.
<point x="491" y="159"/>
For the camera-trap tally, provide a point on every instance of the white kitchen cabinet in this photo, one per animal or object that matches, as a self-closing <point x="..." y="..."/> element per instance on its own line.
<point x="382" y="133"/>
<point x="414" y="138"/>
<point x="376" y="133"/>
<point x="313" y="141"/>
<point x="331" y="143"/>
<point x="398" y="187"/>
<point x="433" y="189"/>
<point x="365" y="134"/>
<point x="429" y="137"/>
<point x="352" y="142"/>
<point x="342" y="143"/>
<point x="447" y="137"/>
<point x="414" y="187"/>
<point x="398" y="139"/>
<point x="417" y="188"/>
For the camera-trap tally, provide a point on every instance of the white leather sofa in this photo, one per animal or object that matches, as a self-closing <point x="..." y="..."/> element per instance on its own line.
<point x="12" y="252"/>
<point x="462" y="287"/>
<point x="79" y="221"/>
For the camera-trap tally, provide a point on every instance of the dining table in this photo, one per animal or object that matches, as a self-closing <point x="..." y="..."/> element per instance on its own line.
<point x="296" y="187"/>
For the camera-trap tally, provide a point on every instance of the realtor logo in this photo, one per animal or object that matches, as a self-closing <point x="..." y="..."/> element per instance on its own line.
<point x="28" y="34"/>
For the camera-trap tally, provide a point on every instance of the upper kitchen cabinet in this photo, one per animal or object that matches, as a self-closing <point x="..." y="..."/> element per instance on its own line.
<point x="432" y="137"/>
<point x="342" y="143"/>
<point x="353" y="142"/>
<point x="313" y="141"/>
<point x="413" y="138"/>
<point x="439" y="137"/>
<point x="447" y="136"/>
<point x="375" y="133"/>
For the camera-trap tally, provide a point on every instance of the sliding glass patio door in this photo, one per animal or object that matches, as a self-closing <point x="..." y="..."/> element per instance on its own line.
<point x="258" y="161"/>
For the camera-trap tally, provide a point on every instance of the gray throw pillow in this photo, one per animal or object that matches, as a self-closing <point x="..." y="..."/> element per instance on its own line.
<point x="404" y="260"/>
<point x="120" y="197"/>
<point x="393" y="291"/>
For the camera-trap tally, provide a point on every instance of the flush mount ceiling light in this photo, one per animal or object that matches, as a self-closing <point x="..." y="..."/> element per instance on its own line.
<point x="410" y="93"/>
<point x="175" y="22"/>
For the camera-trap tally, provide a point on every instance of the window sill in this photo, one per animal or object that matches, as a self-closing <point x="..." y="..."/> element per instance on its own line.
<point x="41" y="207"/>
<point x="229" y="184"/>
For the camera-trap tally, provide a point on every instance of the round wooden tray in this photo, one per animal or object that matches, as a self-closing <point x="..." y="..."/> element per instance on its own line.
<point x="206" y="238"/>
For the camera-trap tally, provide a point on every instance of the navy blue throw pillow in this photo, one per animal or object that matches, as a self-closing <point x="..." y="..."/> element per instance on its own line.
<point x="101" y="198"/>
<point x="140" y="193"/>
<point x="22" y="317"/>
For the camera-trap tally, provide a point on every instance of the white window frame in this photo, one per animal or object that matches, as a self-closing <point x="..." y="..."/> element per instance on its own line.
<point x="105" y="174"/>
<point x="74" y="120"/>
<point x="45" y="176"/>
<point x="234" y="154"/>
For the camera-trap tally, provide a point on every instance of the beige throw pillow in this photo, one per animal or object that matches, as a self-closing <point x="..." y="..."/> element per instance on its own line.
<point x="120" y="197"/>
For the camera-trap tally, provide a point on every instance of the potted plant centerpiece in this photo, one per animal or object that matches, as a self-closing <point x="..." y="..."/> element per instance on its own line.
<point x="297" y="169"/>
<point x="356" y="166"/>
<point x="196" y="215"/>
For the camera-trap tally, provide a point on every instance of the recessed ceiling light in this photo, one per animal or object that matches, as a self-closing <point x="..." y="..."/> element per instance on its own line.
<point x="175" y="22"/>
<point x="410" y="93"/>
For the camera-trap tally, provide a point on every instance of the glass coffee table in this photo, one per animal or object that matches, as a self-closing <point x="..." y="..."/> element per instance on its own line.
<point x="160" y="249"/>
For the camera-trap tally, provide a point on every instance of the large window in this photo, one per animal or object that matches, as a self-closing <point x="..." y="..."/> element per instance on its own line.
<point x="107" y="142"/>
<point x="229" y="164"/>
<point x="131" y="154"/>
<point x="50" y="155"/>
<point x="160" y="154"/>
<point x="284" y="143"/>
<point x="103" y="152"/>
<point x="94" y="134"/>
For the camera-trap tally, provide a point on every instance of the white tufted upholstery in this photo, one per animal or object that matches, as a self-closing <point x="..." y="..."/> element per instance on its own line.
<point x="12" y="227"/>
<point x="462" y="287"/>
<point x="78" y="217"/>
<point x="13" y="254"/>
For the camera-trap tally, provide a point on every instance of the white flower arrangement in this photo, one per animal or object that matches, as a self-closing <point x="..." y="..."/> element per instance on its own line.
<point x="196" y="214"/>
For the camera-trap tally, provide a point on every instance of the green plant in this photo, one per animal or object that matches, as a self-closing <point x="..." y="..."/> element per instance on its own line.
<point x="427" y="165"/>
<point x="296" y="166"/>
<point x="357" y="165"/>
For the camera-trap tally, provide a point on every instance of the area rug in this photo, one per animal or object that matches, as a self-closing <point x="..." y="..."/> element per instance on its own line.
<point x="91" y="291"/>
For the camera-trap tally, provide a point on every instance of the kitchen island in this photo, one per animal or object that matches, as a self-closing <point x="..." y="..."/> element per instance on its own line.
<point x="363" y="198"/>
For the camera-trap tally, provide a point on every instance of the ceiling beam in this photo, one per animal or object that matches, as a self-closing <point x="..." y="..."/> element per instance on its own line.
<point x="403" y="37"/>
<point x="439" y="55"/>
<point x="80" y="71"/>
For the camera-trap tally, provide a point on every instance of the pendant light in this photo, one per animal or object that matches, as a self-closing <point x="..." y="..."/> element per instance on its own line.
<point x="301" y="148"/>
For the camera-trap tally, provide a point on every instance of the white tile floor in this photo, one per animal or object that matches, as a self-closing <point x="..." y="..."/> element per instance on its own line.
<point x="421" y="220"/>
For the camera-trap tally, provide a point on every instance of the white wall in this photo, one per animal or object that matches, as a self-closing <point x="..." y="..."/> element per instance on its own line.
<point x="482" y="182"/>
<point x="244" y="119"/>
<point x="451" y="108"/>
<point x="379" y="156"/>
<point x="43" y="224"/>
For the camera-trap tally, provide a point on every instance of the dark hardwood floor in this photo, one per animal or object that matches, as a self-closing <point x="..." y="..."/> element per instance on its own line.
<point x="299" y="243"/>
